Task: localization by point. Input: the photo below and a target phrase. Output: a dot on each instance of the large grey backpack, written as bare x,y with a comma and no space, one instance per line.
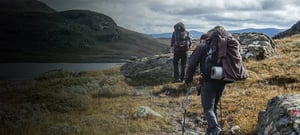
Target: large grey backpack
181,37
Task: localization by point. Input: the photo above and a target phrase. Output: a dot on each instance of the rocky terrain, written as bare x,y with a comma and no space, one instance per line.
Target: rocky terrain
137,98
68,103
256,46
159,68
282,116
282,113
34,32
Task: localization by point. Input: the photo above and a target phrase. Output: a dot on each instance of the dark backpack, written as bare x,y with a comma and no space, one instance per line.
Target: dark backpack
223,60
211,59
181,36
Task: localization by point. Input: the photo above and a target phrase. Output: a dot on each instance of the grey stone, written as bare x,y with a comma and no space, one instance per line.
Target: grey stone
282,116
155,69
256,46
145,111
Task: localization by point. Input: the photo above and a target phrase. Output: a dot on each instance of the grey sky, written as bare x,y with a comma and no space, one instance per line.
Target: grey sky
159,16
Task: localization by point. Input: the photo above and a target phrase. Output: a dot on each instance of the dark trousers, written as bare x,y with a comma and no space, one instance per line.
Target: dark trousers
182,56
211,92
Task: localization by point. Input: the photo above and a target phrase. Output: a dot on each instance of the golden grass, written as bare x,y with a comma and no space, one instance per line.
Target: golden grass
112,101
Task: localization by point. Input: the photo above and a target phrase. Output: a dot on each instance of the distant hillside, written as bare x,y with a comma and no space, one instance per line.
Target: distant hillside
44,35
160,35
268,31
24,6
295,29
195,34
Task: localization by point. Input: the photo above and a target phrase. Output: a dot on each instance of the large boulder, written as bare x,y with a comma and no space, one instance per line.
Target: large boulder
256,46
151,70
281,117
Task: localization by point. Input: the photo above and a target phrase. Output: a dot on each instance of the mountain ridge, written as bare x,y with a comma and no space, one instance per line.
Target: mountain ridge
24,6
196,34
295,29
68,36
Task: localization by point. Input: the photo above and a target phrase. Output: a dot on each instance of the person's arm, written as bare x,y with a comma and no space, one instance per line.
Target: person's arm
194,61
172,39
189,40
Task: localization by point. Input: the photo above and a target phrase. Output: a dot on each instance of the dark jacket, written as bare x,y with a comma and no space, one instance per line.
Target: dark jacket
228,55
196,59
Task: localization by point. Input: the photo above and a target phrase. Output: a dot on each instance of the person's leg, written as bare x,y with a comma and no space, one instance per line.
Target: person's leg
175,66
220,87
208,101
183,65
209,91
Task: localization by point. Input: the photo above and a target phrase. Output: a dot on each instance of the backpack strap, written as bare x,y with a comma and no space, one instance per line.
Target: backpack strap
222,48
175,37
181,38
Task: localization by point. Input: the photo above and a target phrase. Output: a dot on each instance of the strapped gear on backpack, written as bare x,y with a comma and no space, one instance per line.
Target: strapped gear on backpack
223,60
211,59
181,37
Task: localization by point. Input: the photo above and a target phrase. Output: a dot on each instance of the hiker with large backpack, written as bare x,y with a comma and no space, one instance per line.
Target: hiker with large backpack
180,43
220,63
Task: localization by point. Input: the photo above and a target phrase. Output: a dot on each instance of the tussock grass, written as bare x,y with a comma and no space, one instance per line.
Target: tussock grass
103,102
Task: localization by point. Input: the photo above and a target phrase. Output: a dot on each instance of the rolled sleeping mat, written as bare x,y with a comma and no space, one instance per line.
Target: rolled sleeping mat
216,73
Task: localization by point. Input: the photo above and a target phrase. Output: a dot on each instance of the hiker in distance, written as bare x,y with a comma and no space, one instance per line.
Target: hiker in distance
180,42
220,63
203,38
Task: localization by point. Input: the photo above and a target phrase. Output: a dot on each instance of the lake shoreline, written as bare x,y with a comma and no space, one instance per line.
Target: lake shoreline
66,61
5,58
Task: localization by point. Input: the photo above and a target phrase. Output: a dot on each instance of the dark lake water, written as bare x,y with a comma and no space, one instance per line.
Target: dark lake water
21,71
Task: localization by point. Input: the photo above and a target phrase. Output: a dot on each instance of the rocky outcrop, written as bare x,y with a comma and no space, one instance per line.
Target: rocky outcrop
281,117
295,29
256,46
155,69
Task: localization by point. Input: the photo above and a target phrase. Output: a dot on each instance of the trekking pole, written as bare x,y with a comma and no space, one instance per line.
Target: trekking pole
183,130
222,124
186,102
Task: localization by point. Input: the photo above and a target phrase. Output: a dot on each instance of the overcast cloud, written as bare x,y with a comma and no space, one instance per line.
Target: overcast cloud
159,16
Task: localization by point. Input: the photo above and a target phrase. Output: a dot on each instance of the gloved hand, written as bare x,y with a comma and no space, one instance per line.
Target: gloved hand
187,84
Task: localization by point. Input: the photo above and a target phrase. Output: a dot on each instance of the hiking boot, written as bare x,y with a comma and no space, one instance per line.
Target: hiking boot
177,80
216,131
